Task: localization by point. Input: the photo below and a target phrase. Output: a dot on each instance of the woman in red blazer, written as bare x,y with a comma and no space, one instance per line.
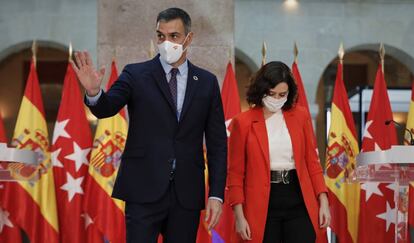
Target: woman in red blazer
275,181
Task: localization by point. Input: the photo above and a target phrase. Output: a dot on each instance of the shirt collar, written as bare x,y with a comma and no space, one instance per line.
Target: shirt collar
183,68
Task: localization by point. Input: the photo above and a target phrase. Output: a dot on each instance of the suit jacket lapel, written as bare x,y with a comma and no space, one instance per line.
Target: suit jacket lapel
259,127
161,81
192,81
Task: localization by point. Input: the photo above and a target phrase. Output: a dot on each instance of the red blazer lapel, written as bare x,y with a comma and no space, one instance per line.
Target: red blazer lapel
295,132
259,128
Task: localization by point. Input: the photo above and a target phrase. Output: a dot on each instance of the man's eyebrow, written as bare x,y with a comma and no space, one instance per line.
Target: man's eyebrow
172,33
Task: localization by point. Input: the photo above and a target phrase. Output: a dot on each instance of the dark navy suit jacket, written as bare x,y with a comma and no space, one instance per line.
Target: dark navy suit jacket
156,138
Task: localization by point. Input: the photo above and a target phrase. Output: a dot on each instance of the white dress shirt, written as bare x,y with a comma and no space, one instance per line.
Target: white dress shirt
280,143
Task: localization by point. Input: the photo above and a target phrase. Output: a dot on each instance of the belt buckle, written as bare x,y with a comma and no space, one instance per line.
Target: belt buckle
281,176
278,179
285,177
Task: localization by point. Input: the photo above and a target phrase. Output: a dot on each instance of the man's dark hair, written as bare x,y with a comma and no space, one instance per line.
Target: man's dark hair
267,78
176,13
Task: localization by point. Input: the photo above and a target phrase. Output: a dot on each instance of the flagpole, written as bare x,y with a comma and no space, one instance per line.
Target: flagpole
151,51
341,54
114,55
295,53
382,55
34,52
230,55
264,50
70,51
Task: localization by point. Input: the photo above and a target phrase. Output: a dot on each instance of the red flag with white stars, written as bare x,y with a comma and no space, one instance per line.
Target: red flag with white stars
377,208
9,232
71,147
410,126
231,107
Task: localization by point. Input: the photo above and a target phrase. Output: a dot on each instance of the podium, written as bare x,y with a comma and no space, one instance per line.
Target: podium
17,164
395,165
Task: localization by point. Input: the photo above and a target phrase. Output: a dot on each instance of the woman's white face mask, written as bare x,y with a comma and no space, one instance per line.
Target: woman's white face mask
273,104
170,51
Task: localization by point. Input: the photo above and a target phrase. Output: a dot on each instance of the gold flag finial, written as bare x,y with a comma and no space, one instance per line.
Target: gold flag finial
264,49
151,51
114,55
295,52
382,55
70,51
341,52
34,52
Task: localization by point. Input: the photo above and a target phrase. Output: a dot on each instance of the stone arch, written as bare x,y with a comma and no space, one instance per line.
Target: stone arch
398,63
239,54
28,44
52,60
244,67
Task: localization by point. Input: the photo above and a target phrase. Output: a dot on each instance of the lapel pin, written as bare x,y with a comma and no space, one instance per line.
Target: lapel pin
195,78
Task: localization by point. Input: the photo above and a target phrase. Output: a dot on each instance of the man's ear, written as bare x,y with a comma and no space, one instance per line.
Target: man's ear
189,39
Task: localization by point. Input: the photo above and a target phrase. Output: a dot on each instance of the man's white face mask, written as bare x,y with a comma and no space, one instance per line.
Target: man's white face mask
170,51
273,104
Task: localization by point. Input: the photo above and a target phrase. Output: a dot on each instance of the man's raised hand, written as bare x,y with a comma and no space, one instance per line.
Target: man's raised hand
85,71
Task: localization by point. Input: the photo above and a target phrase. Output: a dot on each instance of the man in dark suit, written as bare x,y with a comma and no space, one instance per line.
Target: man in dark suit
172,104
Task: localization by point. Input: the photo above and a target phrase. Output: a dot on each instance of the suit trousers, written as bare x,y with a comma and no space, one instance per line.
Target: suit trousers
287,218
145,221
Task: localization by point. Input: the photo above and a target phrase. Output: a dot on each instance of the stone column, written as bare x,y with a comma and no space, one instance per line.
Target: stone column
125,29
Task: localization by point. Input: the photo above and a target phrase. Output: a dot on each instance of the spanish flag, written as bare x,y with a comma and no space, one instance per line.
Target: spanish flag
340,165
109,143
31,201
410,126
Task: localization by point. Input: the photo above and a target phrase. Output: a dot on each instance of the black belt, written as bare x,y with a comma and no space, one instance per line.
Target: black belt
282,176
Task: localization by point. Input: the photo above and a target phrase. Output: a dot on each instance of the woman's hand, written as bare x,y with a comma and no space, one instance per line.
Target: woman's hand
242,226
324,213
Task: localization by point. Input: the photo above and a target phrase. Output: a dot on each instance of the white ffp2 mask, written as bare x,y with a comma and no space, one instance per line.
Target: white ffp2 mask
170,51
273,104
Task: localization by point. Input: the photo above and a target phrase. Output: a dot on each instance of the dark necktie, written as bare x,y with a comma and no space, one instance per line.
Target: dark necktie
173,85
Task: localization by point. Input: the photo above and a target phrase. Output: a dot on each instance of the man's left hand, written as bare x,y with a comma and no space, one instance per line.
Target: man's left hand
213,212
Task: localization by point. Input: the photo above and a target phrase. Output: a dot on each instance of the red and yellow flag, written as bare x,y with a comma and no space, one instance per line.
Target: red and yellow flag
31,201
340,165
109,142
72,143
410,126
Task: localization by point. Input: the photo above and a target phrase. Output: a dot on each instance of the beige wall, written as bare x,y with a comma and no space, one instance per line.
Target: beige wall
125,29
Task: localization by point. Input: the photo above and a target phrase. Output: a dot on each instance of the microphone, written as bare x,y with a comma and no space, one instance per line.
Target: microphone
387,122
